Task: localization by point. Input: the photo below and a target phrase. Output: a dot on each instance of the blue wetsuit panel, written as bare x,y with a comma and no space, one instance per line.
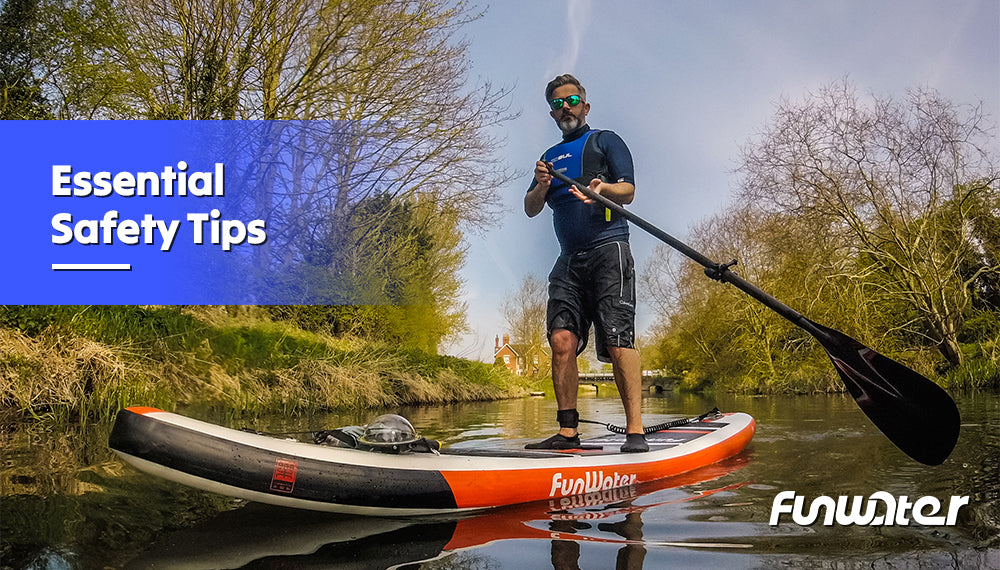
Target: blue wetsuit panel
587,155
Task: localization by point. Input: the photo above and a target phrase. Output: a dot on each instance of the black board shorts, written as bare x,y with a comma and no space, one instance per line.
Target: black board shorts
596,286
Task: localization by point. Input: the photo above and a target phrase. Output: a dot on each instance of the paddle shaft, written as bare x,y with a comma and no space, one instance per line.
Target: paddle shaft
721,272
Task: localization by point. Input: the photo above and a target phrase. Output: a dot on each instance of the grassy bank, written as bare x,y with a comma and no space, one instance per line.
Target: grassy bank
813,373
88,362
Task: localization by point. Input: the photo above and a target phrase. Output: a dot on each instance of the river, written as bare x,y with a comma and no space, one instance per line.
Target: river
68,502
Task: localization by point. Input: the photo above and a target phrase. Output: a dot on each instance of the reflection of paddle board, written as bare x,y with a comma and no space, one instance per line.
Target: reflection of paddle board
308,476
260,535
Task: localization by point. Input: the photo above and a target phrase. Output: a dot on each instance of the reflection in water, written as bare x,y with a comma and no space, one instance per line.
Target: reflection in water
262,536
68,502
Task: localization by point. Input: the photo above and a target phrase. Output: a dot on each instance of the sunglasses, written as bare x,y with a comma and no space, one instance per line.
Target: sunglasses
572,101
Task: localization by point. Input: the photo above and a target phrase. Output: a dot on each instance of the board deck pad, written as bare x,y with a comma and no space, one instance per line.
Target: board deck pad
607,444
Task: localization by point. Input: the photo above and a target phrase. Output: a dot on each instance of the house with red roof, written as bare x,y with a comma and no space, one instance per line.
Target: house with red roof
521,359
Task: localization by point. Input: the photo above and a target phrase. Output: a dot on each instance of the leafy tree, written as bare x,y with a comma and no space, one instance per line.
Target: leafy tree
397,282
980,211
694,331
22,49
710,332
60,59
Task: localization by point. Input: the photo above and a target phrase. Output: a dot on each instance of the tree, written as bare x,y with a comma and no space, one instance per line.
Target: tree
524,312
397,282
364,103
712,332
389,77
881,174
982,212
693,328
374,108
22,49
60,59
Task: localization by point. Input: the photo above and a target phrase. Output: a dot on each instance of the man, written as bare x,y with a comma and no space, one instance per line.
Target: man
593,280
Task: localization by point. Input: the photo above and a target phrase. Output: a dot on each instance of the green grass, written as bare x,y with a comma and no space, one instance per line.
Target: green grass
978,373
88,362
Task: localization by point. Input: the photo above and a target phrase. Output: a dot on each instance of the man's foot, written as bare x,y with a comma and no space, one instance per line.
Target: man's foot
558,441
635,443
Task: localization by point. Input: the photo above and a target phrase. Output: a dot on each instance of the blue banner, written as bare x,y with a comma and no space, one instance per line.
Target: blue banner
170,212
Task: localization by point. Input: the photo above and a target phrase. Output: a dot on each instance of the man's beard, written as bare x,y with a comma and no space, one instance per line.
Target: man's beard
569,123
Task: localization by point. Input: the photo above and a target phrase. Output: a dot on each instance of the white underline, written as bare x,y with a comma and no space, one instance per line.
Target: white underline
91,267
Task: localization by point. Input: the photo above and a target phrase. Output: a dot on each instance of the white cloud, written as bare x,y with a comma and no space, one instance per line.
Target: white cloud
571,38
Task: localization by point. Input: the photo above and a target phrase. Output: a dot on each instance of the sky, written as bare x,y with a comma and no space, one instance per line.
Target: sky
687,85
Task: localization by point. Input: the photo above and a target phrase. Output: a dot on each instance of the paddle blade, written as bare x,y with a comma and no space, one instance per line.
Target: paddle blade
913,412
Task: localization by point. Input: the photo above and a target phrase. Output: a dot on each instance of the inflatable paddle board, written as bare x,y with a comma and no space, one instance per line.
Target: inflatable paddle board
465,477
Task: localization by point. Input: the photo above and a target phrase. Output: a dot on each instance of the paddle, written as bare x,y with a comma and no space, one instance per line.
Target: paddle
914,413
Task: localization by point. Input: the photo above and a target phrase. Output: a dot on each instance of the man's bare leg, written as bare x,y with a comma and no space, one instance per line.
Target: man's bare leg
565,375
565,382
628,376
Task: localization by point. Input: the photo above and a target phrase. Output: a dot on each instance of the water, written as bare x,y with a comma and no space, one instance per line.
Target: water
67,502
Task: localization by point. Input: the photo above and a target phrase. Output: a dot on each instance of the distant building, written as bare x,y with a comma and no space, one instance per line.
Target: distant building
521,359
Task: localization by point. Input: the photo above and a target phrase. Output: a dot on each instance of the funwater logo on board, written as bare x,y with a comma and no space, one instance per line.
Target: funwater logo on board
590,482
866,511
